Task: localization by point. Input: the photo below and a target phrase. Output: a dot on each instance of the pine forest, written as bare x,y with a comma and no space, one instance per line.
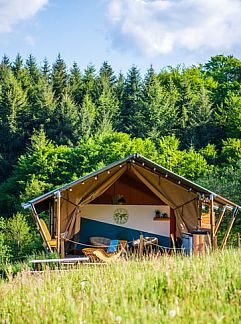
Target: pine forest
58,123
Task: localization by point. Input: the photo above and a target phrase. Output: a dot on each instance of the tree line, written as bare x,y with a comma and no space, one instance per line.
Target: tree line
57,124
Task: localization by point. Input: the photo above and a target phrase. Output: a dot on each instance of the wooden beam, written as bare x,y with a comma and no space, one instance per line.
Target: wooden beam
173,241
58,209
141,247
212,220
62,251
51,212
220,219
225,238
199,212
238,240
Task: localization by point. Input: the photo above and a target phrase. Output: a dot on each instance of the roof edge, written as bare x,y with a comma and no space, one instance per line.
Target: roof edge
135,157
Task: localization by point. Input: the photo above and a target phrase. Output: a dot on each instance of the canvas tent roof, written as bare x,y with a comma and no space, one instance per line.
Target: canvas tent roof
182,195
144,163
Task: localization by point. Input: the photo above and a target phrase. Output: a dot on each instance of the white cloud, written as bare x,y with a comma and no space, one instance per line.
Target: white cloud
14,11
155,27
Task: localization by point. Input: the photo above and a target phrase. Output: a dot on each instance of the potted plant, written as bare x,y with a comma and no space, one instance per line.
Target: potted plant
158,213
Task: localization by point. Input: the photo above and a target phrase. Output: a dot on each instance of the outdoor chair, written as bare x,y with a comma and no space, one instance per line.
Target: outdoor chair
112,253
51,242
104,242
107,257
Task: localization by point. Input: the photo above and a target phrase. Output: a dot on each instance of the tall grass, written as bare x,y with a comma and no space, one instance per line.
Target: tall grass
171,289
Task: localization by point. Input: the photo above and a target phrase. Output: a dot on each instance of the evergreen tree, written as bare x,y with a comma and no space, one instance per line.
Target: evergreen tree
13,104
106,101
65,122
131,113
75,84
87,116
160,110
21,72
6,61
59,78
106,76
46,71
200,128
34,73
120,87
89,82
42,108
119,90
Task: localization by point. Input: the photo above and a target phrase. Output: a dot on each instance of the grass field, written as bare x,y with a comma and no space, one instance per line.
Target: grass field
168,290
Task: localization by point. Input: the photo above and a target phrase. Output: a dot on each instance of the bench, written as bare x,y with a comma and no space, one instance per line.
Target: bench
38,263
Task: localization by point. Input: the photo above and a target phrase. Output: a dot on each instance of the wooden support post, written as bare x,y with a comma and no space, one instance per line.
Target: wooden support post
220,219
238,240
62,251
230,225
51,209
141,247
58,196
199,212
173,241
215,242
212,221
195,244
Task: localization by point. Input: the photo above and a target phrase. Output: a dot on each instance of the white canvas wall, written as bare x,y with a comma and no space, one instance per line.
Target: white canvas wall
140,217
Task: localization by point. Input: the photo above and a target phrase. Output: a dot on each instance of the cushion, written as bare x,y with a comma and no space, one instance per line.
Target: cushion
99,241
113,246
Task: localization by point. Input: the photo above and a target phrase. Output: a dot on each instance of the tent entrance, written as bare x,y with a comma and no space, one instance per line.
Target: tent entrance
135,181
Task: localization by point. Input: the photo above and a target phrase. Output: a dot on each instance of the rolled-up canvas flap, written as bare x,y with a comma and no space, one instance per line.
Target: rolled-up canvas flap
74,223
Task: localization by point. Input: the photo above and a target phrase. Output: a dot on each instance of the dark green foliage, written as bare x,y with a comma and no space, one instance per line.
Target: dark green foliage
13,108
6,61
75,84
46,71
59,78
89,82
160,110
132,107
33,70
65,122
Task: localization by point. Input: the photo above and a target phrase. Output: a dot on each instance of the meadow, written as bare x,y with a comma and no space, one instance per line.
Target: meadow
172,289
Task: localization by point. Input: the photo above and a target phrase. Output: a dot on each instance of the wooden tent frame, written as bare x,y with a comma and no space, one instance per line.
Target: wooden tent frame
202,194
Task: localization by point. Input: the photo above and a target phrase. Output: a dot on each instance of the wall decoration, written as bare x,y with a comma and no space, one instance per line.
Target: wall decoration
140,217
121,216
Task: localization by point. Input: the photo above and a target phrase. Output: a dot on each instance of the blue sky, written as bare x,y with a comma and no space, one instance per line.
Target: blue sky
122,32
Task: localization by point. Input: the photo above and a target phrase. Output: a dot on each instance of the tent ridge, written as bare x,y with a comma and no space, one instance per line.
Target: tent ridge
135,157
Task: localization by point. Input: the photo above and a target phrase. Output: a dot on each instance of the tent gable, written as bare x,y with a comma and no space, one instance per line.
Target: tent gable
131,190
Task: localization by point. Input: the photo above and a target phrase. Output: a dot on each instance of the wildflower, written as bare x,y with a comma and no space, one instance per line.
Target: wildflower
172,313
83,283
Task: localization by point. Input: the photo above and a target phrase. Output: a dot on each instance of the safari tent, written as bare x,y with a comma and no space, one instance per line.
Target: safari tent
127,198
